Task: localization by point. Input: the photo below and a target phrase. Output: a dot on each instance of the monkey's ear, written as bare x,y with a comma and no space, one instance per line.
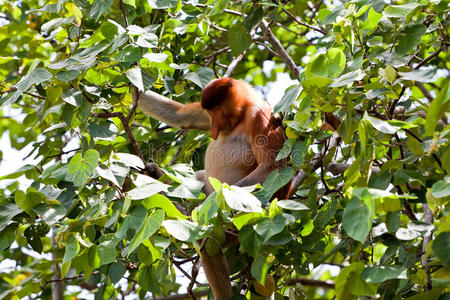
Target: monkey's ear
215,93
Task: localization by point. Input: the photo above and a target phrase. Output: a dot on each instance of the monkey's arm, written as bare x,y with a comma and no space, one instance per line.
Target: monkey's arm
189,116
267,138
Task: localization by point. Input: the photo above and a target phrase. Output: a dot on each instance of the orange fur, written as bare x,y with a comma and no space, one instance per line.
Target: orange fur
246,140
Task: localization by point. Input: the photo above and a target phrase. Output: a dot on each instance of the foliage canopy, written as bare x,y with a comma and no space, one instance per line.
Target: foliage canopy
372,198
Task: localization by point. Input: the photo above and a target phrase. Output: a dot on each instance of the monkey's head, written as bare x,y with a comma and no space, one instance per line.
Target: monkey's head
225,100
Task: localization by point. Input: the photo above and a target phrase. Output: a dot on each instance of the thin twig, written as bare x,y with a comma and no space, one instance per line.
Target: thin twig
122,9
433,55
302,23
302,175
152,168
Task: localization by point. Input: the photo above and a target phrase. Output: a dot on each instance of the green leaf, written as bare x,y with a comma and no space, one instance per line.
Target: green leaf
291,205
160,201
156,57
267,228
146,276
397,11
36,76
7,212
393,221
50,213
129,54
239,199
99,8
347,78
67,75
299,151
202,77
7,236
130,160
260,266
322,69
148,189
72,248
73,97
411,39
135,77
440,248
116,272
356,220
151,225
218,8
336,62
242,219
80,167
372,20
349,283
239,39
407,234
253,18
276,180
104,129
438,107
290,95
208,209
381,125
163,4
285,151
249,240
55,23
421,75
107,251
441,188
134,221
27,203
19,172
378,274
186,231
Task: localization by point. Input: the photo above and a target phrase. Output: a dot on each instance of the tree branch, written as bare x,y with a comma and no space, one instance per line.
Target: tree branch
427,217
433,55
301,175
234,64
302,23
276,44
312,282
151,167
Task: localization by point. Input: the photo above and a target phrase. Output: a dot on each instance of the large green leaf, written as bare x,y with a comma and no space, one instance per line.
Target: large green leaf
440,248
398,11
186,231
160,201
380,274
81,167
239,39
99,8
240,199
356,220
72,248
267,227
151,225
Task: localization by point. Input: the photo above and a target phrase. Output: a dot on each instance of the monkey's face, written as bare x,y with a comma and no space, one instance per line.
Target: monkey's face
219,122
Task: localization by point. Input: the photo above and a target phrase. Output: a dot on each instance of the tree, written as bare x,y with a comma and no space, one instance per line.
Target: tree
113,195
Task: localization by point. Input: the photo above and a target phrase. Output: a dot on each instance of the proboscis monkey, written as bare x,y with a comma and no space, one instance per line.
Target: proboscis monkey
246,140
